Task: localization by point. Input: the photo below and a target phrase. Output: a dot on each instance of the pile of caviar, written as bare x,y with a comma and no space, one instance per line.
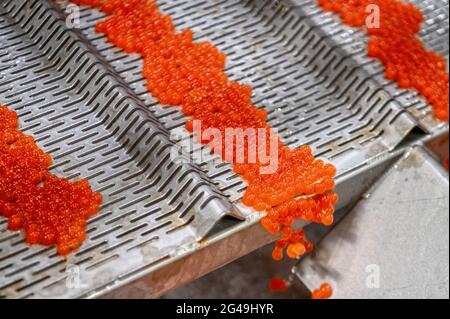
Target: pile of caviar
51,210
324,292
395,43
191,75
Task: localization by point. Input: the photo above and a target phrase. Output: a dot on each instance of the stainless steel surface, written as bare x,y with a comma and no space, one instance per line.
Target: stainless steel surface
86,103
438,146
395,243
313,93
246,278
85,118
231,243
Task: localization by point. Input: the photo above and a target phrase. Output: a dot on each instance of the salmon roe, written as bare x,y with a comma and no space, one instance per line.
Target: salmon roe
395,43
324,292
51,210
191,75
278,285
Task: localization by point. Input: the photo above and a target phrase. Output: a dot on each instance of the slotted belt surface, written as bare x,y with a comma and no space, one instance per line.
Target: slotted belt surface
87,104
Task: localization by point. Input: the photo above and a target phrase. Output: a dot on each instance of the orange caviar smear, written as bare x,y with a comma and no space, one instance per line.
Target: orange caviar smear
278,285
324,292
51,210
191,75
395,43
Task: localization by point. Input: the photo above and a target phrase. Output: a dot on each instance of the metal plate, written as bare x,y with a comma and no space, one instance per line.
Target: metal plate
313,94
85,118
353,42
86,103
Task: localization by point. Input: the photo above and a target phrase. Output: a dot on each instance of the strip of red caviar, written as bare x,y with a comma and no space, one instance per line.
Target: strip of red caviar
324,292
51,210
395,43
191,75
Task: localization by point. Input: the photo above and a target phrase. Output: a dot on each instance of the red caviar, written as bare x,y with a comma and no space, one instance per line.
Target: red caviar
51,210
278,285
324,292
395,43
191,75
